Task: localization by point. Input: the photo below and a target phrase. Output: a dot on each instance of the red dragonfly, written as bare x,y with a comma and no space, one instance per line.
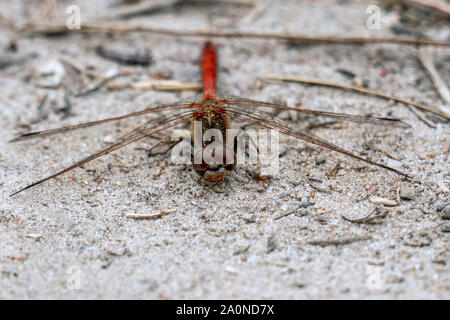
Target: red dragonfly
213,113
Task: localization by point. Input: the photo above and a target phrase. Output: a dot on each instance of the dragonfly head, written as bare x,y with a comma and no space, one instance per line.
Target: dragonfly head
212,115
214,167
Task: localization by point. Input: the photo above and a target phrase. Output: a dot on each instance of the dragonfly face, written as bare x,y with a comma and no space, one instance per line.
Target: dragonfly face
212,116
214,172
213,159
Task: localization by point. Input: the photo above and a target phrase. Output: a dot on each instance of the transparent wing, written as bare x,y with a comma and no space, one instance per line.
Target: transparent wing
244,105
167,107
300,134
154,127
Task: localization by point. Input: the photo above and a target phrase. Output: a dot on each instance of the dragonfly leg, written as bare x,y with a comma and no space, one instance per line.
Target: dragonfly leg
242,135
163,142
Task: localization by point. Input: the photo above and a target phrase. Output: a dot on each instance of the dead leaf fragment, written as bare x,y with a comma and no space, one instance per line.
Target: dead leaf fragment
384,201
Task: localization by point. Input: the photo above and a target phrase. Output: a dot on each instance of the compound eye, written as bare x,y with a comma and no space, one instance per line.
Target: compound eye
198,114
219,111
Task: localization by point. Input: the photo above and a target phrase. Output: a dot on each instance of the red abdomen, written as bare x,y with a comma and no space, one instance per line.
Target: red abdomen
209,70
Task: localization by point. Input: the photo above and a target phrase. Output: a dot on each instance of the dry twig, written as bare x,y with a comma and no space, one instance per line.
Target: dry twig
384,201
165,85
40,27
150,216
35,236
426,57
285,214
337,242
332,84
101,83
421,117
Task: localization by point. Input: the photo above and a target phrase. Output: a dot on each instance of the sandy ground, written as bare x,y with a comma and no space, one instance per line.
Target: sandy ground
70,238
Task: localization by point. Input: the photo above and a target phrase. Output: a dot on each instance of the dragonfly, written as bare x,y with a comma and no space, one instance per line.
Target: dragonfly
213,112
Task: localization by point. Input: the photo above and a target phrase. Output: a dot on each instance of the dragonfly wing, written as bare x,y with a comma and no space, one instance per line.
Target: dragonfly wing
244,104
300,134
40,134
157,126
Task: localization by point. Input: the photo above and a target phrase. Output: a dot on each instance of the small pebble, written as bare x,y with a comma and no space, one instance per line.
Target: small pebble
231,270
249,219
445,213
51,73
320,161
35,236
394,164
304,203
433,154
108,139
407,193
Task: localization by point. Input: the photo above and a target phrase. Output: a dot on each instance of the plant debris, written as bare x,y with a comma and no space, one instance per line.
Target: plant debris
46,28
311,81
337,242
371,218
150,216
133,59
384,201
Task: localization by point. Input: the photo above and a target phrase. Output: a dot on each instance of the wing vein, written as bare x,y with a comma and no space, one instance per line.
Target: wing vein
306,137
159,125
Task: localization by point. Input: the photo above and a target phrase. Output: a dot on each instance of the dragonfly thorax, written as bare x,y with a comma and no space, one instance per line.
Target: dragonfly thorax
213,159
210,115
